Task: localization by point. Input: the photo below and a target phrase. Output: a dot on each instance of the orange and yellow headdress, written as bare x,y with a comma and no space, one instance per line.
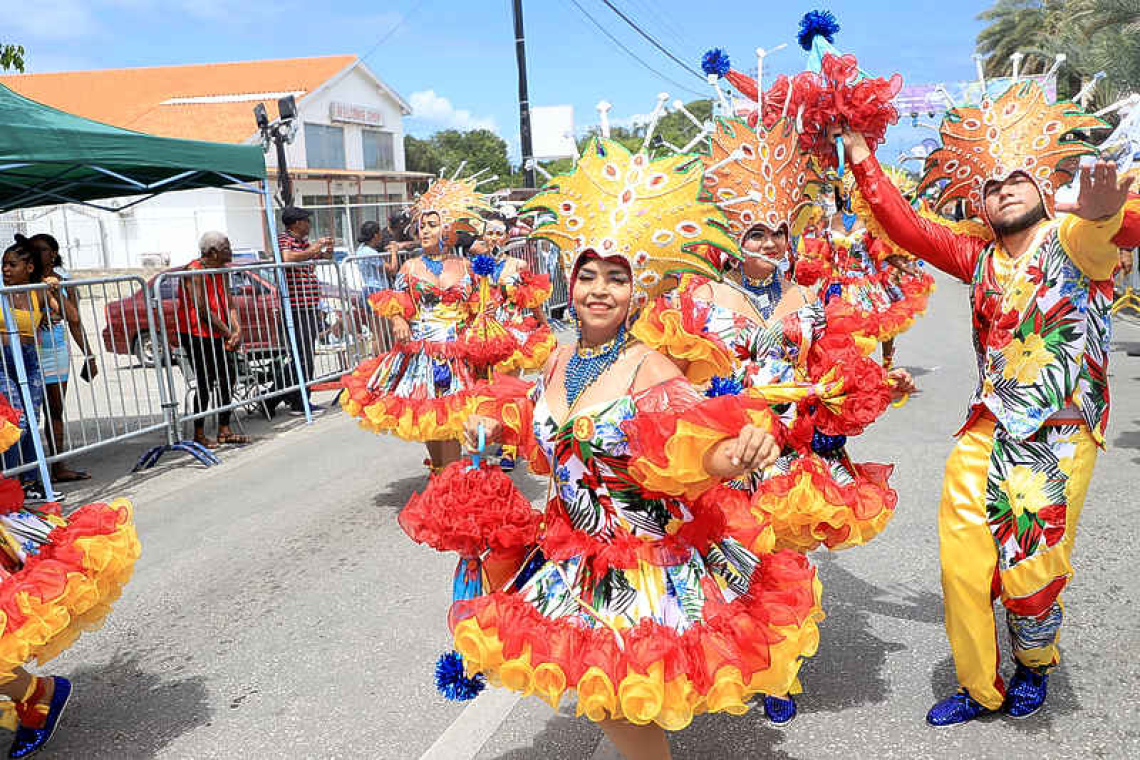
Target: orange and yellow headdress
758,176
647,211
1020,131
458,203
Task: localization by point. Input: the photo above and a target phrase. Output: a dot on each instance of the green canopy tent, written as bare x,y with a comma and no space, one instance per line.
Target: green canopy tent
49,156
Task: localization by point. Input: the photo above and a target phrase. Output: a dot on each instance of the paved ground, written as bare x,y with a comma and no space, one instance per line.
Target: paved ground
278,611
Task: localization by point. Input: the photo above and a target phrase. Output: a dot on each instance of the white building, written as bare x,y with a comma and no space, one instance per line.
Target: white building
347,159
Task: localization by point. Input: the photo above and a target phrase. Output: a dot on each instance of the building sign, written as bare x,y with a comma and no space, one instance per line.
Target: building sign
354,114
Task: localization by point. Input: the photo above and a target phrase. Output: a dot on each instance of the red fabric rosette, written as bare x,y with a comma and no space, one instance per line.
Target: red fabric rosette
532,290
469,511
867,394
837,94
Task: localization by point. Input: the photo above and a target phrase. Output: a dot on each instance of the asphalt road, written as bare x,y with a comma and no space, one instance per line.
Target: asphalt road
278,611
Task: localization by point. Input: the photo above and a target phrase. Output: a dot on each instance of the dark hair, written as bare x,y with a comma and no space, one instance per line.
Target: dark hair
496,216
22,247
396,218
52,243
368,230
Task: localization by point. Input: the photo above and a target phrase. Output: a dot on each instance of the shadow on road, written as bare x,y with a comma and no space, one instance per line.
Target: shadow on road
848,670
120,710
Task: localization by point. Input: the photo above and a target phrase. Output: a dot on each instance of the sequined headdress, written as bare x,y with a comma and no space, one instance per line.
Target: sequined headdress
458,203
1019,131
647,211
757,177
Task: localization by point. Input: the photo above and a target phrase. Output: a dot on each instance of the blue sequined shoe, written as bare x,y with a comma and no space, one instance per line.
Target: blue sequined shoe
29,741
779,711
955,709
1026,693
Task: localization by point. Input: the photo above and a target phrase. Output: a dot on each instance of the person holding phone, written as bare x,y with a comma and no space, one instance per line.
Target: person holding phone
304,291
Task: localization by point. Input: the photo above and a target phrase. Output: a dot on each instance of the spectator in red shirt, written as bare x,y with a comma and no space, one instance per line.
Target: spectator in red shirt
304,290
209,331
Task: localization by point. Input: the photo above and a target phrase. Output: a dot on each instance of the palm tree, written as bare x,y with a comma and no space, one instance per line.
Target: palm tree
1015,26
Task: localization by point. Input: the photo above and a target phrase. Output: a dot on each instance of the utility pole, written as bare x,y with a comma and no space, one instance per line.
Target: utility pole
524,101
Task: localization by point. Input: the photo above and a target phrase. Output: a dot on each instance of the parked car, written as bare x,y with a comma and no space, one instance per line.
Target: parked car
252,292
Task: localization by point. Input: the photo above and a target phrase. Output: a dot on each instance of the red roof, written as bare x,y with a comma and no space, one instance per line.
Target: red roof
211,101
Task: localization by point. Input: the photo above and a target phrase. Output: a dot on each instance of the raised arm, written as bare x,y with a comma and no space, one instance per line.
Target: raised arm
952,253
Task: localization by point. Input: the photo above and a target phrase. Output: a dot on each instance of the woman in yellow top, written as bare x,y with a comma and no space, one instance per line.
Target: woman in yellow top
22,266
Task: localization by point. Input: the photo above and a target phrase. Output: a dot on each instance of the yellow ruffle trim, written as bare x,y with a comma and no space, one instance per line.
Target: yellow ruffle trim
53,625
9,434
642,698
683,473
520,361
667,334
410,426
797,518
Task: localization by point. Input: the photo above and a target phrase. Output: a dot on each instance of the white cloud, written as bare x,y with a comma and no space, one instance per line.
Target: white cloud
439,112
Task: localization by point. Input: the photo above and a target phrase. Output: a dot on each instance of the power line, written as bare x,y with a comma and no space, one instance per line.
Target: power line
653,40
663,22
395,28
632,54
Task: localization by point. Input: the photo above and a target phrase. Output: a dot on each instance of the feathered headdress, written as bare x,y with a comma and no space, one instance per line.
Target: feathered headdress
647,211
458,203
757,177
1020,131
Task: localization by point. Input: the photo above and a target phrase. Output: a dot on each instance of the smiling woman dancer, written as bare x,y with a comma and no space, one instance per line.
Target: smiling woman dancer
634,596
417,390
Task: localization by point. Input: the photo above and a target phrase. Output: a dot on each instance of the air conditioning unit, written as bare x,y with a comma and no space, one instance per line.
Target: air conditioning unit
155,260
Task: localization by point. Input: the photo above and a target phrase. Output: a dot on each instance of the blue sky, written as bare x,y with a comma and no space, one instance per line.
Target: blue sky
455,59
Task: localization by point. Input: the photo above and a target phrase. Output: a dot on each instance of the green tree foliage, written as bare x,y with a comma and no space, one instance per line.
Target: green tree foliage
480,148
1093,35
11,57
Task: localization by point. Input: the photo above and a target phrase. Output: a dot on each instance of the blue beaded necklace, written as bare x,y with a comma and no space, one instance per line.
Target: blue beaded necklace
767,292
588,364
435,266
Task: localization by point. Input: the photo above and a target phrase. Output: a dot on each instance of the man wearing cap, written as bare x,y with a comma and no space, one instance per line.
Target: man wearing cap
304,288
1040,279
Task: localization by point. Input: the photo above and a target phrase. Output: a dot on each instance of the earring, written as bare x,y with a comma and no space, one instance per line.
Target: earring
572,316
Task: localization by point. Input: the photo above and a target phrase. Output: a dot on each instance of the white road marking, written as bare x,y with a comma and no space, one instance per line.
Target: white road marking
475,725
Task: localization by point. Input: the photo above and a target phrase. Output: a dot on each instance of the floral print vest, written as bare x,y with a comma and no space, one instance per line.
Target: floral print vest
1042,344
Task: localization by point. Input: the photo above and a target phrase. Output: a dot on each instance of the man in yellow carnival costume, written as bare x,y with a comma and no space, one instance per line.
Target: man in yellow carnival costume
1041,290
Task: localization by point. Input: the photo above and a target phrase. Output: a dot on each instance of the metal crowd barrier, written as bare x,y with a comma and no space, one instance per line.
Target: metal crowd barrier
154,367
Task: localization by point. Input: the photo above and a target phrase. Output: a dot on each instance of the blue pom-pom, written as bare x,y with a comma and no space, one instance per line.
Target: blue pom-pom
724,386
483,265
716,62
452,681
821,443
817,24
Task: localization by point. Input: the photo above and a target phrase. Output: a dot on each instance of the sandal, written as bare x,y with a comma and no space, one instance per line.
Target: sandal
206,443
69,476
235,438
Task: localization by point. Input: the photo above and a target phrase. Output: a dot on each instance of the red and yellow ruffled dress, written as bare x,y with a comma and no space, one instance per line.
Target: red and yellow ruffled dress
416,391
635,597
517,293
852,269
58,575
814,495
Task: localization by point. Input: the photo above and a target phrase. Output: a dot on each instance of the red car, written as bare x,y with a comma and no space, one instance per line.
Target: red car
253,293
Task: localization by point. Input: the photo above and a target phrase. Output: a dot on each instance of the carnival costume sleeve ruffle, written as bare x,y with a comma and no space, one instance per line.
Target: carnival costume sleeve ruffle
1129,234
532,290
393,303
510,401
674,429
676,326
58,576
953,252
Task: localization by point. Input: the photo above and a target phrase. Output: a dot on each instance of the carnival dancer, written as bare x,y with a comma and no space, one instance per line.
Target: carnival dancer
763,330
1040,294
416,390
518,295
58,578
634,597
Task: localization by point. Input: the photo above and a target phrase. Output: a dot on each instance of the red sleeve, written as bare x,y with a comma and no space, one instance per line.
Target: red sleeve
952,253
1129,235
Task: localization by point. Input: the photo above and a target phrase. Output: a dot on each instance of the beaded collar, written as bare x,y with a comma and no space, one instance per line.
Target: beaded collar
765,294
434,265
588,364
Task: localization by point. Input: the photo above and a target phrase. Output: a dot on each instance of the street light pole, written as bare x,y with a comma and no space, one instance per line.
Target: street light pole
524,101
279,131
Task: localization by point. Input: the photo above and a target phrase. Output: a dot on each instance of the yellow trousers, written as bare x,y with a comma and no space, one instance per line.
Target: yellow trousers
971,579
